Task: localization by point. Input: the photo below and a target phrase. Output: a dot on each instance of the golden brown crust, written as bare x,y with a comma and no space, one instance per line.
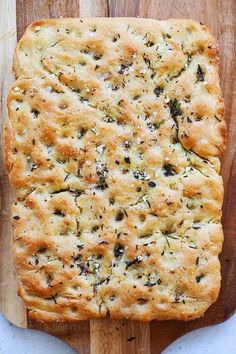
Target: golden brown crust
116,128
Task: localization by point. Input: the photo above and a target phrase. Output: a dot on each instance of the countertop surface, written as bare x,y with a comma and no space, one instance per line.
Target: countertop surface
211,340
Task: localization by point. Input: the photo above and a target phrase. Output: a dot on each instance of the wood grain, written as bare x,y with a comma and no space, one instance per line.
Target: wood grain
32,10
125,337
119,337
94,8
124,8
77,335
11,304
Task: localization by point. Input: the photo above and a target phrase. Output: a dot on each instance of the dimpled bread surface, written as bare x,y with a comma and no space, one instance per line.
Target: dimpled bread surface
112,145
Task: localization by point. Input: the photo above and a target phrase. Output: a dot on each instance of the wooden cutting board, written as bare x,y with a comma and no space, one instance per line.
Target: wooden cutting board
107,336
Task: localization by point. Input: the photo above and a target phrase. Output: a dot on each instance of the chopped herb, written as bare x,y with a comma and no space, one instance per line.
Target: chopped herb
83,268
125,212
138,259
83,99
145,235
97,56
59,213
147,61
76,258
193,247
144,198
84,51
150,284
109,119
16,217
100,149
135,98
42,250
152,184
120,215
114,87
142,175
177,298
54,299
112,201
196,227
55,44
149,44
127,160
169,170
125,170
34,166
114,39
175,108
153,74
189,120
200,73
217,118
101,169
127,144
124,67
103,242
102,183
35,112
60,191
118,250
81,133
158,90
142,301
198,279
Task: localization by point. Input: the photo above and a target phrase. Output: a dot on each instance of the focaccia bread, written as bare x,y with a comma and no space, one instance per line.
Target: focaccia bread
113,141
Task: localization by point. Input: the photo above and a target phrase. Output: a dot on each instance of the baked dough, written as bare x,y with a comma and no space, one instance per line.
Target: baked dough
115,130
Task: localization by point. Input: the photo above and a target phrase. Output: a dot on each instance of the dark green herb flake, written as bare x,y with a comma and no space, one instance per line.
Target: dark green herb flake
168,170
152,184
16,217
118,250
175,108
158,90
127,160
198,279
200,73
